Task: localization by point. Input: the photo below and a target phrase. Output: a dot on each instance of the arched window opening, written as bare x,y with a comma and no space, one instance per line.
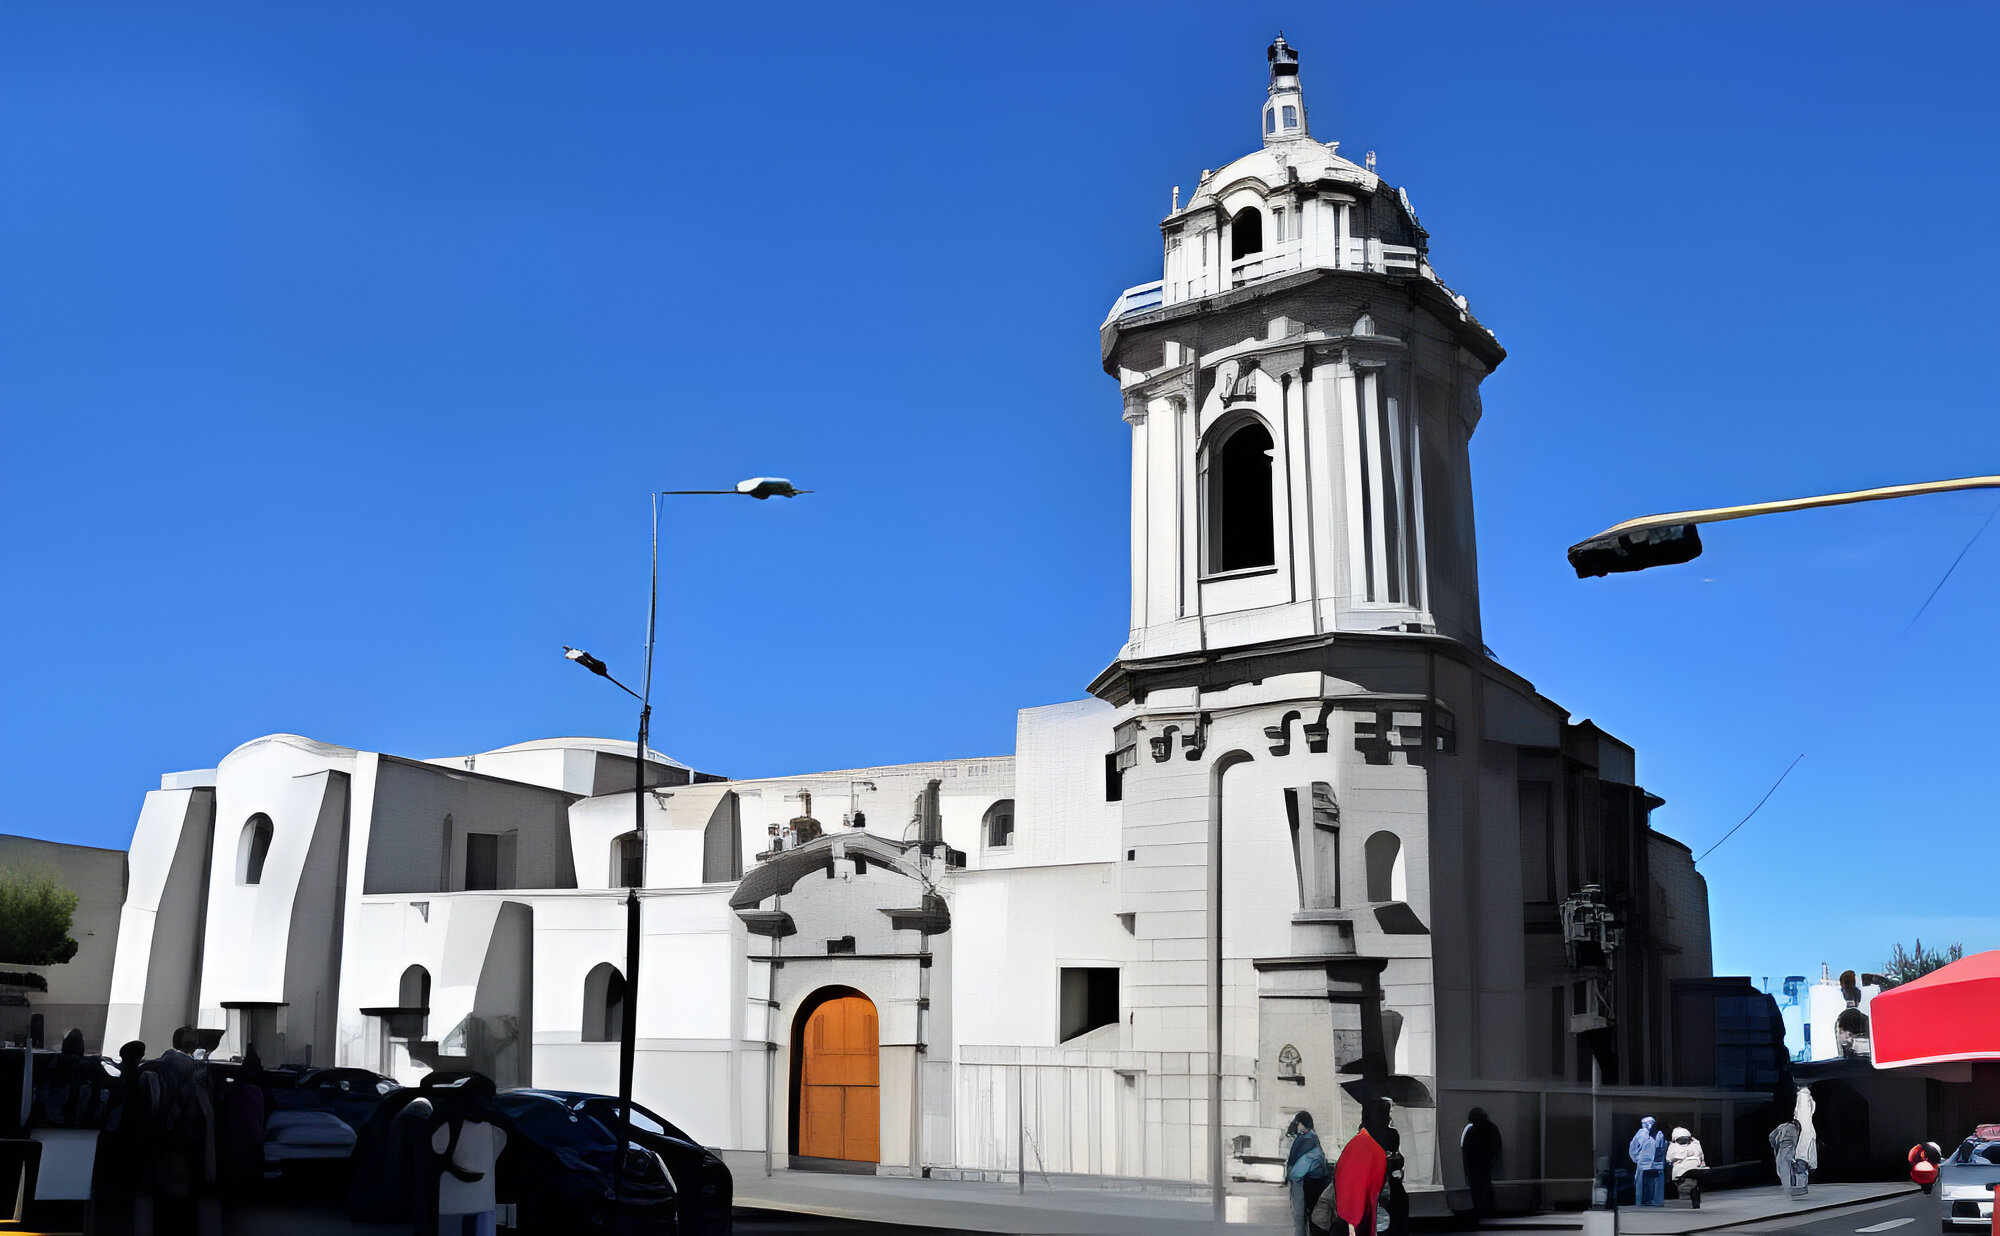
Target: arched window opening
1270,120
603,1004
628,861
252,849
1246,233
1384,853
414,992
1291,116
1241,531
998,824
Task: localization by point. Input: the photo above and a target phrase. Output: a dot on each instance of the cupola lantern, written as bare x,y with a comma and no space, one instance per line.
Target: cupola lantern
1285,108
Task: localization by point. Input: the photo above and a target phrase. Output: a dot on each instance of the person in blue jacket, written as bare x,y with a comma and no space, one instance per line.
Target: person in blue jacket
1307,1171
1649,1164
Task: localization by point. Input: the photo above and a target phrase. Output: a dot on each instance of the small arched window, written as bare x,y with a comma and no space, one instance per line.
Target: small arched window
603,1004
1270,120
1384,853
628,861
1246,233
414,992
1291,116
1242,533
998,824
252,849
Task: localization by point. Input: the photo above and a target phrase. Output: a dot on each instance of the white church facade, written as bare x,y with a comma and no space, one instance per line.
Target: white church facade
1306,842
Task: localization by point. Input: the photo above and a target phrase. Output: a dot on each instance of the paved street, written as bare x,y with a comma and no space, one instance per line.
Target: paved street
1910,1215
1765,1207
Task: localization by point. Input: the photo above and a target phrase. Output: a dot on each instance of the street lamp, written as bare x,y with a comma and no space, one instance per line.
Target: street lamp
760,488
1664,540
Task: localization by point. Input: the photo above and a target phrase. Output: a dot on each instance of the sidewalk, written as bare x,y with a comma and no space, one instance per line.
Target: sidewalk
985,1206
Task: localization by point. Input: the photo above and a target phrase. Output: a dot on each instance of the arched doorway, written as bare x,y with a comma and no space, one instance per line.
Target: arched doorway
836,1105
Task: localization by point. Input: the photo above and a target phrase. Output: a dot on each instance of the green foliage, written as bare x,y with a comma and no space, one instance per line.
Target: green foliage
35,912
1919,961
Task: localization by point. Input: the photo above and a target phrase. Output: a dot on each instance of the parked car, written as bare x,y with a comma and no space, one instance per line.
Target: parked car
1966,1178
556,1170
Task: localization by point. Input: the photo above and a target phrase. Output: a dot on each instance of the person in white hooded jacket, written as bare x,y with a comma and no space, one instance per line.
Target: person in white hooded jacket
1685,1165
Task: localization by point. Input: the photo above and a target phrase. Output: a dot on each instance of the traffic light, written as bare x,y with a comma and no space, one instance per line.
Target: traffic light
1635,550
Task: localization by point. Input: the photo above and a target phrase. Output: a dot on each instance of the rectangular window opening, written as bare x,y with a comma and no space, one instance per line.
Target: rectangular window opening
843,945
1089,999
482,861
1114,779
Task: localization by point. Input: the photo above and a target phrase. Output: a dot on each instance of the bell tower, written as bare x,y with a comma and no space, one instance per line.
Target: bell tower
1302,388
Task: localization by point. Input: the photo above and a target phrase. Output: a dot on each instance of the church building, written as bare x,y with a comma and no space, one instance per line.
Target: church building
1305,844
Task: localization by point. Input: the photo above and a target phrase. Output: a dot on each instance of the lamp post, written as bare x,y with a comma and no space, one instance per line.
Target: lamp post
760,488
1664,540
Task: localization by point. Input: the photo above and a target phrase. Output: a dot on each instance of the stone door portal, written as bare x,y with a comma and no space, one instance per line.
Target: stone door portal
840,1109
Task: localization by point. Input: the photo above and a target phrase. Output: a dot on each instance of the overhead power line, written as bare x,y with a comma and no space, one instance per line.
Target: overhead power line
1759,807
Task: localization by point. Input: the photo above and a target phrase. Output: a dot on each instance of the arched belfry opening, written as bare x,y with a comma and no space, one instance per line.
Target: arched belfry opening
836,1077
1242,530
1246,233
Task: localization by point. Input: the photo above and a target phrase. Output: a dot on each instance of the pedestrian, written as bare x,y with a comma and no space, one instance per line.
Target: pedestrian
1648,1152
1807,1157
468,1146
1785,1149
74,1094
238,1096
1377,1116
1479,1147
1358,1177
116,1164
179,1152
1685,1164
1307,1173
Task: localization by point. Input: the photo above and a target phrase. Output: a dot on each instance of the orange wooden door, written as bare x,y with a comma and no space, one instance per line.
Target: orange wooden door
840,1114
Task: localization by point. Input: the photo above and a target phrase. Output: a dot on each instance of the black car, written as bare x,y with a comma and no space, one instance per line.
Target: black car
556,1171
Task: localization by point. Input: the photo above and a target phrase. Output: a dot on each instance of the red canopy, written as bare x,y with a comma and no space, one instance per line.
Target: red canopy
1952,1013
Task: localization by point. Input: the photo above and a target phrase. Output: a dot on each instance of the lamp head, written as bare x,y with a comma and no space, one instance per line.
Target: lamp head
1636,551
587,661
762,487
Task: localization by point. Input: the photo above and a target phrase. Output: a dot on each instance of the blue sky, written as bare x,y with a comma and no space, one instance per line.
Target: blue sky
340,345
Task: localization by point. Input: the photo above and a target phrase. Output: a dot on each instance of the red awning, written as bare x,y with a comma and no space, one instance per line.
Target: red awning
1952,1013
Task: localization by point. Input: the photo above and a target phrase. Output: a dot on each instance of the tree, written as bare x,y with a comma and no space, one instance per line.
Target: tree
1918,962
35,912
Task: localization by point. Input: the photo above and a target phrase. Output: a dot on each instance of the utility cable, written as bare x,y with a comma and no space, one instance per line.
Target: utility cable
1953,567
1760,805
1973,541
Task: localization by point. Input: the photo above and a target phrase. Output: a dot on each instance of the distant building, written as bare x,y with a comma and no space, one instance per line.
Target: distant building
71,996
1306,817
1834,1019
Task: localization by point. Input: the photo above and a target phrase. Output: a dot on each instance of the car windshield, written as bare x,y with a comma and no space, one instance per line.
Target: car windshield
1978,1152
606,1110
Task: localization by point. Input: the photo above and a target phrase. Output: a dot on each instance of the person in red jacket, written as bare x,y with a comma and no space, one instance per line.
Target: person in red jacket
1357,1182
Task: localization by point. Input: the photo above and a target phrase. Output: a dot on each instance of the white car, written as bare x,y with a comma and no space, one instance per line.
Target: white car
1966,1179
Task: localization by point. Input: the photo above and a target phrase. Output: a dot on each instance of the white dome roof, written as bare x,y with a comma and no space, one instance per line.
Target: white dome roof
1273,165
